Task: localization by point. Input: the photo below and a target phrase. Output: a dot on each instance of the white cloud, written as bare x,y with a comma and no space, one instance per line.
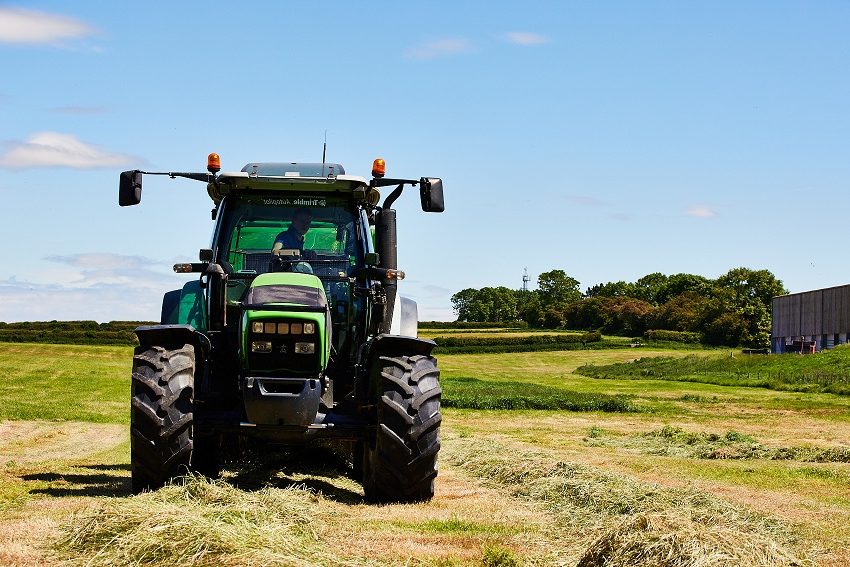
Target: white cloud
18,25
102,260
702,212
27,301
54,149
440,48
92,286
526,38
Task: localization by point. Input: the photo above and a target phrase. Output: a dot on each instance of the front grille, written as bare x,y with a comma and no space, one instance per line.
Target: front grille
283,356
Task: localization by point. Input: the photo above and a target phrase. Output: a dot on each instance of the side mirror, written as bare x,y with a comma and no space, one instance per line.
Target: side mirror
205,255
130,188
431,194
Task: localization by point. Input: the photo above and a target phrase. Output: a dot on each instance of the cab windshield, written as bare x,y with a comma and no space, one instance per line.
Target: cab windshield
310,235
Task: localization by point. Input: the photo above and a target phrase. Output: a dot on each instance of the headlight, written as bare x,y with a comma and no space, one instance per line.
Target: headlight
309,328
257,326
305,348
261,346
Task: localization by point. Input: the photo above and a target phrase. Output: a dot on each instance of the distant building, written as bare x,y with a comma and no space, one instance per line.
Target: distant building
819,319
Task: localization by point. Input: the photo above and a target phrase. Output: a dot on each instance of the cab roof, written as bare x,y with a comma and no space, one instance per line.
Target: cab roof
296,177
283,169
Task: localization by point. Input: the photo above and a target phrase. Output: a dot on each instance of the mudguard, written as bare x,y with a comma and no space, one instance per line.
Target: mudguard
185,306
173,337
405,317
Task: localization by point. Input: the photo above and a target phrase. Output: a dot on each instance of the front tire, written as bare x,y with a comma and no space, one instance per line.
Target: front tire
400,465
161,416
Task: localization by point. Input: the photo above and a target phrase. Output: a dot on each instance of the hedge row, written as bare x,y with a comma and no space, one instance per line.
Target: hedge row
533,343
68,337
472,325
472,393
71,332
523,340
74,325
673,336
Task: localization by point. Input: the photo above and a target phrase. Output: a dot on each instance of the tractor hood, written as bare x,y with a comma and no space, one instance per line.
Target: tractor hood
303,291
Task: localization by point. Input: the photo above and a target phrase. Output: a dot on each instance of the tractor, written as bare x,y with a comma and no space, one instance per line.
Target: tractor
292,333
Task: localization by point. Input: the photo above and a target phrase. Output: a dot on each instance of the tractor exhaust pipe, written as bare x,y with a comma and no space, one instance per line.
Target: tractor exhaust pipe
387,244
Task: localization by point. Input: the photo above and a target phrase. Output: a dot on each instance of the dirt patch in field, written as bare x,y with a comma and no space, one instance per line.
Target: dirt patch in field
463,518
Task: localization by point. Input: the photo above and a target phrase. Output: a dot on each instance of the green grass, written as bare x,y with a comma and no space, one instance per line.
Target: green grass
755,455
455,525
472,393
67,382
827,371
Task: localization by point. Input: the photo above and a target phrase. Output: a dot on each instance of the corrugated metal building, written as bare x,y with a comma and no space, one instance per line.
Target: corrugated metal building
821,316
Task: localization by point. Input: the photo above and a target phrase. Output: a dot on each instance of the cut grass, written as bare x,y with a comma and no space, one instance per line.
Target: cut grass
471,393
674,441
199,522
634,523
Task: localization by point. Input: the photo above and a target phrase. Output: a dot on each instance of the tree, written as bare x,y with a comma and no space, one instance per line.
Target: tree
462,304
488,304
677,284
612,289
553,318
685,312
741,305
627,315
557,289
587,314
649,287
528,308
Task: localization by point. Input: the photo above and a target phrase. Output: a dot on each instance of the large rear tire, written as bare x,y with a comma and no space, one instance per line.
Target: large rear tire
161,416
400,465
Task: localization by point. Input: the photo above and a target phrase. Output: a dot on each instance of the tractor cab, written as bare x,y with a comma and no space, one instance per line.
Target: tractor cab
279,217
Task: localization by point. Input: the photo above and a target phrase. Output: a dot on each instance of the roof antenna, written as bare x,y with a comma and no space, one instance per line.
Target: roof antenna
324,150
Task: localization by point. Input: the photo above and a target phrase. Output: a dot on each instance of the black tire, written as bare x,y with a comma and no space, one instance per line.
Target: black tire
161,417
400,465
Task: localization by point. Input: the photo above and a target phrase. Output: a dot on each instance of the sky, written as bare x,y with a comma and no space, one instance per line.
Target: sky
606,139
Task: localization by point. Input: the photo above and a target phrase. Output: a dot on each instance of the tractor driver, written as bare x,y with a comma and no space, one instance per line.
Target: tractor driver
293,237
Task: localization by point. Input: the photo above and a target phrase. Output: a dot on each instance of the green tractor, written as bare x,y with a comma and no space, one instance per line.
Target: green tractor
292,333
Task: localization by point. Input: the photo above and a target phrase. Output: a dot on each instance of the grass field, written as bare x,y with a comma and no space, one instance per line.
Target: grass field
649,471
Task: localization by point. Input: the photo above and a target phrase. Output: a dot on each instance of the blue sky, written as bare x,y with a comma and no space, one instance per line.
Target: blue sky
607,139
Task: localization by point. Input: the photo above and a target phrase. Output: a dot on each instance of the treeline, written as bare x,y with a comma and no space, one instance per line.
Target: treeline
732,310
71,332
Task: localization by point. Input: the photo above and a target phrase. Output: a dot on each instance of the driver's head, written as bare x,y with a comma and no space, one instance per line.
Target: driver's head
301,220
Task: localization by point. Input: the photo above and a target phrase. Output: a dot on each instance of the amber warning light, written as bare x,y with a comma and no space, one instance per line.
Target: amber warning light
213,163
379,167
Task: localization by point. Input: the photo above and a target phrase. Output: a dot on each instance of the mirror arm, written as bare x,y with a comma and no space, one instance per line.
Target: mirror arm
207,177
